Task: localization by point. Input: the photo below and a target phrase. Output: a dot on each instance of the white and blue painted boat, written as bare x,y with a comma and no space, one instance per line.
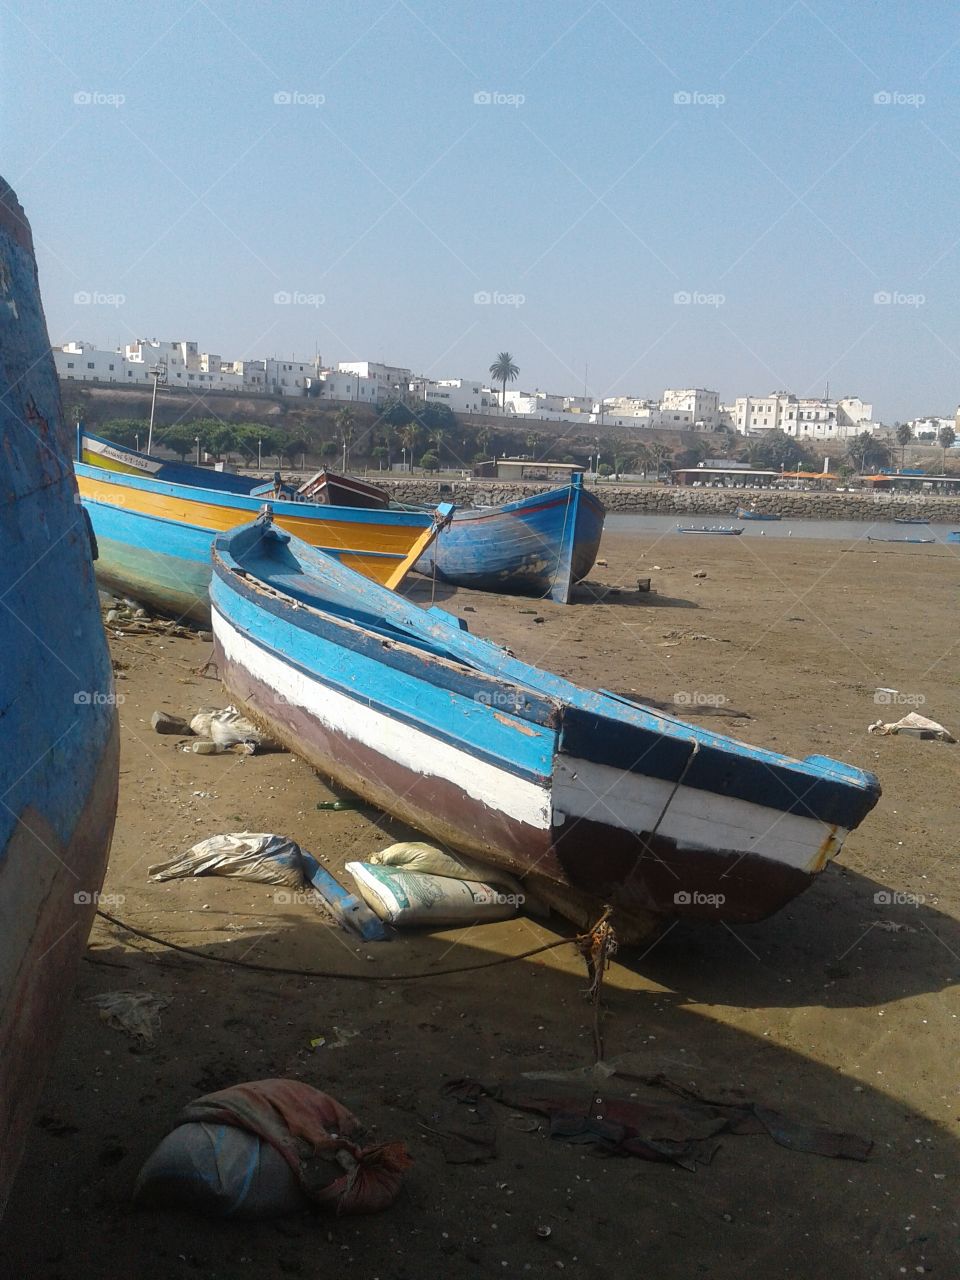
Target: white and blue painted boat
542,545
155,522
59,740
591,798
727,529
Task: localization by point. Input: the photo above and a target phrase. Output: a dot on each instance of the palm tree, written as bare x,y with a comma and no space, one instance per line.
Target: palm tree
659,454
946,437
642,458
904,436
409,434
503,370
533,444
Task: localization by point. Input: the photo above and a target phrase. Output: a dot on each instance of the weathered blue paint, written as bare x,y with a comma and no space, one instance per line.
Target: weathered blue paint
166,562
350,910
348,644
954,535
540,545
58,723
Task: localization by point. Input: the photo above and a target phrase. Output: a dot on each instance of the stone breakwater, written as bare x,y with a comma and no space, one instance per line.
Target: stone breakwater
671,500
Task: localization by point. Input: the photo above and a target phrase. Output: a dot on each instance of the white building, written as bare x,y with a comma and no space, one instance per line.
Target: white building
83,362
462,395
332,384
805,417
393,380
703,406
289,377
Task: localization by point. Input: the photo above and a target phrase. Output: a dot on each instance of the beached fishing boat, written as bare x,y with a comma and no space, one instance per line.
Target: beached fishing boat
911,541
727,529
588,796
953,535
58,724
538,546
744,513
541,545
155,524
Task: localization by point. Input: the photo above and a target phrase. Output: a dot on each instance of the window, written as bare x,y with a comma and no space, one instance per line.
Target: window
90,364
69,364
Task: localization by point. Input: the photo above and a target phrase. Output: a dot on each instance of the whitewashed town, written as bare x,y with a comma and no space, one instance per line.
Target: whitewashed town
181,364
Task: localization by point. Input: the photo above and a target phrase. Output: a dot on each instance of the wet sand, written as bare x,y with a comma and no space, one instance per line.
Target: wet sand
825,1012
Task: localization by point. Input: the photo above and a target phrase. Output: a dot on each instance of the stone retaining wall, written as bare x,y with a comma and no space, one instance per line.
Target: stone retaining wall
670,500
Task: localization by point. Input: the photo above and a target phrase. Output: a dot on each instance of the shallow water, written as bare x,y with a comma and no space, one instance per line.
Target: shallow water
836,530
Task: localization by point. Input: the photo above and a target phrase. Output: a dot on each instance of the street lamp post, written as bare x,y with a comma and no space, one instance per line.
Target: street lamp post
259,454
197,439
136,437
159,374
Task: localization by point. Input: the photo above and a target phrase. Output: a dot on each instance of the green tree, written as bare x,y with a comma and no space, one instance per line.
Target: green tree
430,462
503,370
776,450
904,435
659,454
865,451
409,438
126,431
180,438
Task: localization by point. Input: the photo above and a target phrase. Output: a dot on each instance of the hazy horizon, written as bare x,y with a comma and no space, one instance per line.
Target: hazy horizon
626,197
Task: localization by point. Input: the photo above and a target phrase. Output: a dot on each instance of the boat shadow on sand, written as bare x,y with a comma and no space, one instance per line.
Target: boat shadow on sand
424,591
386,1049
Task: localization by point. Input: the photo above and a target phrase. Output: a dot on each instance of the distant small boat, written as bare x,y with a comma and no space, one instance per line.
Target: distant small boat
912,541
59,736
953,536
595,799
743,513
727,529
910,520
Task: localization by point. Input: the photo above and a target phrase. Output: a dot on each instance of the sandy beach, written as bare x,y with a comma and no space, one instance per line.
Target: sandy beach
840,1011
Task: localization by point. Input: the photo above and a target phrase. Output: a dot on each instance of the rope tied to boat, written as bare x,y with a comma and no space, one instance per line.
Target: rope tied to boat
580,941
598,947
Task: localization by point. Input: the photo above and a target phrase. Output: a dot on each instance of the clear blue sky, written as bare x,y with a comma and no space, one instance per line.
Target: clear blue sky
783,188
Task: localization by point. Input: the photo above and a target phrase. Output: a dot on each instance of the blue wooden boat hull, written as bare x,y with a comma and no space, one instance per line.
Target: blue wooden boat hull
591,798
537,546
953,535
58,720
155,535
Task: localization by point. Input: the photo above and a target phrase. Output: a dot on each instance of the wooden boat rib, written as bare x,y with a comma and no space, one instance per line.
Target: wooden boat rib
589,797
59,763
154,533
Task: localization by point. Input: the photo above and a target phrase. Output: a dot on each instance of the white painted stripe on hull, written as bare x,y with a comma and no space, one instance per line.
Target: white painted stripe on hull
695,819
502,791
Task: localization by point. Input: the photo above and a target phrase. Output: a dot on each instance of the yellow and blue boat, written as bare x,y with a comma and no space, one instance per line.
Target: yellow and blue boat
155,522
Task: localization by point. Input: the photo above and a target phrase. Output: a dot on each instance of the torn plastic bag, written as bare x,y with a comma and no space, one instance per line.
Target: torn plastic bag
414,898
248,855
307,1129
916,725
414,855
135,1012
